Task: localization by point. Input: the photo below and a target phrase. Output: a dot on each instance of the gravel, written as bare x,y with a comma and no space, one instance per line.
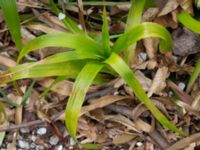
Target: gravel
54,140
59,147
41,131
23,144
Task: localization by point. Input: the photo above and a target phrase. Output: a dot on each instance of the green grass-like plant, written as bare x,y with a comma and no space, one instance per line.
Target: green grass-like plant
86,59
193,25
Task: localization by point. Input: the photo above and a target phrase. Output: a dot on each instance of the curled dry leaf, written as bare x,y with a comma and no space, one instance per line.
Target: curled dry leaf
159,81
169,7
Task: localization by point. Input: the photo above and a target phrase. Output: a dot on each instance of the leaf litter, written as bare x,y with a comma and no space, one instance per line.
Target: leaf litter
114,119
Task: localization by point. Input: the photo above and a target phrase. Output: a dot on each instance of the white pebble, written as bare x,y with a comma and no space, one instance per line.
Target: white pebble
53,140
139,144
23,144
41,131
59,147
181,85
61,16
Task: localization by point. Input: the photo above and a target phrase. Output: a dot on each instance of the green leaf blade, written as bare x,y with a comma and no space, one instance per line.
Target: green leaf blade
189,22
126,73
141,31
81,85
84,45
194,76
12,20
105,34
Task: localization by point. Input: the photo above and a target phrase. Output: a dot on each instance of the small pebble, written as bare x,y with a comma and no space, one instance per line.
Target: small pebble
41,131
181,85
59,147
23,144
53,140
61,16
139,144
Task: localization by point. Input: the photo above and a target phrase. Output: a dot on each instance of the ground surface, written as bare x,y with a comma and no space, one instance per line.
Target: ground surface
118,121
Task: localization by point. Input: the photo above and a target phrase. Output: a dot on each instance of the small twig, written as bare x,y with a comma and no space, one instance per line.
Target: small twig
28,124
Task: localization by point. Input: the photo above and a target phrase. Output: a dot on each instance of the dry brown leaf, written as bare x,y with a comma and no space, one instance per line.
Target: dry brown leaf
141,125
169,7
146,82
7,61
196,102
159,81
187,5
183,96
124,121
98,103
123,138
151,46
167,21
102,102
64,87
43,28
150,14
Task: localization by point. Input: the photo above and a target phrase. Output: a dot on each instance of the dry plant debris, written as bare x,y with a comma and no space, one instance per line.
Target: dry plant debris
111,116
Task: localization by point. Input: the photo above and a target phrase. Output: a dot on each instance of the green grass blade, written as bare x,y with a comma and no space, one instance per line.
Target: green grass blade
29,70
81,85
141,31
194,76
84,45
7,100
126,73
134,18
12,20
189,22
135,14
105,34
68,22
27,93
